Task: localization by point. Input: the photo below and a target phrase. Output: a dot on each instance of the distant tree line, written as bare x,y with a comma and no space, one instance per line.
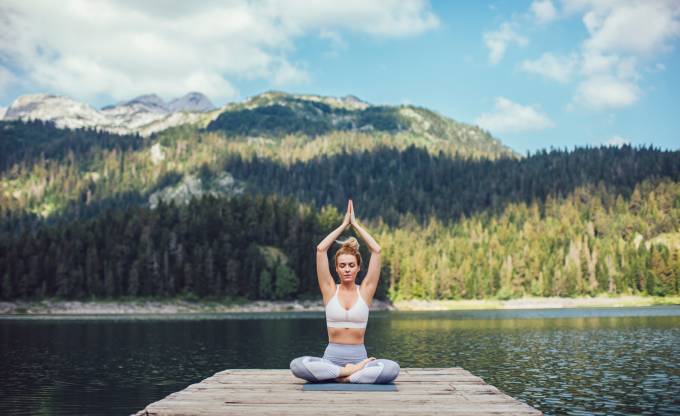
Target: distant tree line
388,183
257,247
307,118
587,243
558,222
29,141
209,248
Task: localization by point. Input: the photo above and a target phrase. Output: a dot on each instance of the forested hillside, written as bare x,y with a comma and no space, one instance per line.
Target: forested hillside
589,242
216,212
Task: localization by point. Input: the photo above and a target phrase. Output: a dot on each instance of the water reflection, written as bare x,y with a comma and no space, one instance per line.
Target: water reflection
618,361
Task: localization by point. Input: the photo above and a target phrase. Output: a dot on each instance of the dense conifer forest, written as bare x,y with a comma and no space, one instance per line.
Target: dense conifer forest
76,223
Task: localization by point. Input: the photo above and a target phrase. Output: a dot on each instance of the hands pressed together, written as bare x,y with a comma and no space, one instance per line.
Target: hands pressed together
349,216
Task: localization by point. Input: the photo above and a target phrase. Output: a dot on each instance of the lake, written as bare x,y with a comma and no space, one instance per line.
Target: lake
567,361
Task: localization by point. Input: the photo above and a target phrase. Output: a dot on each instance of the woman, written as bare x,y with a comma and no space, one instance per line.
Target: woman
345,359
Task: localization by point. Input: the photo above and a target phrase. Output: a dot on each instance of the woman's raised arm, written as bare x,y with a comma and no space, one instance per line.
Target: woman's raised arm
323,272
370,282
372,244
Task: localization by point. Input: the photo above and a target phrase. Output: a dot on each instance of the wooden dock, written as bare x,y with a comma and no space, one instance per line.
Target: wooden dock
421,391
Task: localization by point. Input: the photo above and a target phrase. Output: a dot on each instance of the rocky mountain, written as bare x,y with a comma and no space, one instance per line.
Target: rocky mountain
268,115
145,114
193,101
150,102
277,114
63,111
269,98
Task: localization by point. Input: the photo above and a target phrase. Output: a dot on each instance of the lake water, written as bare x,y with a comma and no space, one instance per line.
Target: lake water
570,361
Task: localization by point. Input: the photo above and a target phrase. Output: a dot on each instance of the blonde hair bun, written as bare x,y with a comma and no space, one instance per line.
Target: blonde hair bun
350,242
349,246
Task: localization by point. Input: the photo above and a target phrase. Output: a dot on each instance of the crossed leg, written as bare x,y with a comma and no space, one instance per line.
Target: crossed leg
317,369
314,369
378,371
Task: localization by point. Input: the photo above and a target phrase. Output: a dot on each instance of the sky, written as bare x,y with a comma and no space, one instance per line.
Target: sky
536,74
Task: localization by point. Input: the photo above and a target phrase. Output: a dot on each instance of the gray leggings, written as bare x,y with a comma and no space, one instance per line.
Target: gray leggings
316,369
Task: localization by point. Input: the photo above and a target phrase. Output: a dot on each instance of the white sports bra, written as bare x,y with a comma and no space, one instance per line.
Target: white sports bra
339,317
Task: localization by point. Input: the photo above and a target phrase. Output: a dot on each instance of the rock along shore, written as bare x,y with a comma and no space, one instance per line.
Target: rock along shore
64,307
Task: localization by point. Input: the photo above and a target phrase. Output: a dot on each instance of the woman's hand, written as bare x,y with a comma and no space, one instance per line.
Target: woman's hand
350,369
363,363
352,219
353,368
348,215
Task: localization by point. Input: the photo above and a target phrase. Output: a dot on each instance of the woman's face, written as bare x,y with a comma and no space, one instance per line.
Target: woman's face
347,267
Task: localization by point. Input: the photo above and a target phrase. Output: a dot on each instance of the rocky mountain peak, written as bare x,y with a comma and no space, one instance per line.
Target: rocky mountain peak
64,111
193,101
349,102
144,114
150,101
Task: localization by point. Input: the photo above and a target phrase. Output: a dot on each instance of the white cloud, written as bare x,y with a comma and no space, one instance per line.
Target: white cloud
512,117
602,92
624,67
289,74
622,34
336,43
119,49
497,42
597,63
640,27
617,141
558,68
382,18
543,11
334,37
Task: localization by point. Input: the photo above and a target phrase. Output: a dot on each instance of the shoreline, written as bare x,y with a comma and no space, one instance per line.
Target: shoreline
143,306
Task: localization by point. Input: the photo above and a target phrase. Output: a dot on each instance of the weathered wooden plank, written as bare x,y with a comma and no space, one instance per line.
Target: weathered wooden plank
249,372
402,388
339,397
404,378
421,391
354,409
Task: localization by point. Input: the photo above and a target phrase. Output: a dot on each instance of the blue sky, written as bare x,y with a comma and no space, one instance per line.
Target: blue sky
536,74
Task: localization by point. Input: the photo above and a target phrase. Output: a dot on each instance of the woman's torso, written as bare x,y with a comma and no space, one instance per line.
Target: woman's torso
347,335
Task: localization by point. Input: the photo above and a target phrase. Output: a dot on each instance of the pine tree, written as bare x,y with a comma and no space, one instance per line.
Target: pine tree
7,290
62,281
133,280
265,287
655,266
209,273
232,276
286,282
92,272
109,282
188,278
168,276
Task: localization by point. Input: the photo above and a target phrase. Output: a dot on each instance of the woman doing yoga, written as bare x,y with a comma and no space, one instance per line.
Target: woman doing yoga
345,359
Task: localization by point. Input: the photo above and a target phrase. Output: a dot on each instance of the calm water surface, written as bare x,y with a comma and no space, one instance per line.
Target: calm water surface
572,361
